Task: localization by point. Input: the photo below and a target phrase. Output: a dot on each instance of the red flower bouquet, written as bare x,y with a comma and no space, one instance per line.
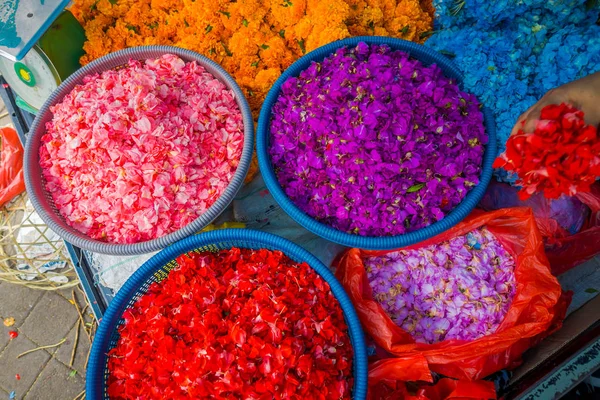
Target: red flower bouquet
561,156
237,324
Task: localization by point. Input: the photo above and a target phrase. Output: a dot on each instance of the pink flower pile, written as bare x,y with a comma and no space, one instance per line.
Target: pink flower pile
136,153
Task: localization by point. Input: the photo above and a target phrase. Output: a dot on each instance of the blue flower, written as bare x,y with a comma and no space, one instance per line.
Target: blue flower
513,51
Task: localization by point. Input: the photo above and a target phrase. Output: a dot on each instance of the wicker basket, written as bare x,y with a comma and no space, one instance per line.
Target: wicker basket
41,199
160,265
427,57
31,255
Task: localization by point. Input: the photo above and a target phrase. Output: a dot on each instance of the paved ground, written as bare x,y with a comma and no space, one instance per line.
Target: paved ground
42,319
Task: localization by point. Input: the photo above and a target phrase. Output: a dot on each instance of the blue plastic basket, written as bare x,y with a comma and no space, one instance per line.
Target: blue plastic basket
157,268
427,56
36,185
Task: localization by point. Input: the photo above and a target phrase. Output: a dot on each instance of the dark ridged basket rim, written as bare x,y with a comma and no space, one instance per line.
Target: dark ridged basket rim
427,56
40,198
137,284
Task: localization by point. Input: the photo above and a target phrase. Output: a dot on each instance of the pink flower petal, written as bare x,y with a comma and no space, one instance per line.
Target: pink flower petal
135,154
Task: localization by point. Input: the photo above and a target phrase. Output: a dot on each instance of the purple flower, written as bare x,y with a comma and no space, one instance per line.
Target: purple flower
372,142
452,290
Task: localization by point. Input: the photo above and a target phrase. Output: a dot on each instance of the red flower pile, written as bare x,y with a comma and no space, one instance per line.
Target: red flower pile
237,324
561,156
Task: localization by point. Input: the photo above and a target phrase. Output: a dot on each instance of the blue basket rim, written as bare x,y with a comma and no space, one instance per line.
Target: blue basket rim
427,56
95,376
32,170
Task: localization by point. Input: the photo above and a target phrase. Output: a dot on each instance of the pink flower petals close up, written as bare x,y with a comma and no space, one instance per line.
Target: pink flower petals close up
459,289
137,153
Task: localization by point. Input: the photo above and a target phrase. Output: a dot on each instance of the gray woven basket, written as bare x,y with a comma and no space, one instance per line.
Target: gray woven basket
35,184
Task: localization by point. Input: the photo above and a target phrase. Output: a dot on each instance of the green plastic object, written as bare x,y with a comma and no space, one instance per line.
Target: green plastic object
63,44
23,105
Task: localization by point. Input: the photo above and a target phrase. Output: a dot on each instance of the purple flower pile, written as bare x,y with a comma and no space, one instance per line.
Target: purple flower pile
460,289
372,142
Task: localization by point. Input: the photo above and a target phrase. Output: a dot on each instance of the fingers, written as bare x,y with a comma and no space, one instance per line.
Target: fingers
532,119
583,94
519,125
528,119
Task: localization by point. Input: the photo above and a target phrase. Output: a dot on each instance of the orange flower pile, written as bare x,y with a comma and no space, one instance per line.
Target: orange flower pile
254,40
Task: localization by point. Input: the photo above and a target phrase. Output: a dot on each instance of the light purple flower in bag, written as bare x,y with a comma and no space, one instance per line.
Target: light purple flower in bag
459,289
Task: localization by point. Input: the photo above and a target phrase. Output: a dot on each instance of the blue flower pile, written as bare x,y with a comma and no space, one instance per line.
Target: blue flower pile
513,51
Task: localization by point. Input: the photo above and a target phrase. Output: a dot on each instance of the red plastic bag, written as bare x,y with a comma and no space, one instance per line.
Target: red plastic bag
397,378
537,310
569,226
568,252
444,389
11,165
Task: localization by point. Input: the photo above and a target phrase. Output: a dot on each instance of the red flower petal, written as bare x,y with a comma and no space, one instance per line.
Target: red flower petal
562,156
233,324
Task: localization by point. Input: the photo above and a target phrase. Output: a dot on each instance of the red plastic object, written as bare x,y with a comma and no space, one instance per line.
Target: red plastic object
538,308
568,252
11,165
445,389
566,246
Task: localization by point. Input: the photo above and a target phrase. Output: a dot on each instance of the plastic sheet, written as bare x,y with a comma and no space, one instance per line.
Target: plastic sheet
257,209
537,310
113,271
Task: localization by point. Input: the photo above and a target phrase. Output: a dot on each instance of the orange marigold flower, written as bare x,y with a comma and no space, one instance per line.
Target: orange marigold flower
282,16
252,39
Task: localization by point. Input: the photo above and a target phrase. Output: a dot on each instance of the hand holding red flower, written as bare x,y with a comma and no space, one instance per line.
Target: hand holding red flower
561,156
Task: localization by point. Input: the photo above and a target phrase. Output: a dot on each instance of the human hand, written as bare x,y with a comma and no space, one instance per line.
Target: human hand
583,94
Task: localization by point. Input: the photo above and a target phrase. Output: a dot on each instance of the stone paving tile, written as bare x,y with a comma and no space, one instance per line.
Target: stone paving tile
55,383
50,321
79,297
17,301
63,353
4,338
28,366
